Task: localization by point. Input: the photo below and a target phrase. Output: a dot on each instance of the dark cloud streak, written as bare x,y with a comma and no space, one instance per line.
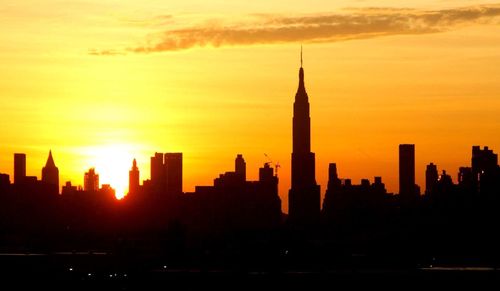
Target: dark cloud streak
355,24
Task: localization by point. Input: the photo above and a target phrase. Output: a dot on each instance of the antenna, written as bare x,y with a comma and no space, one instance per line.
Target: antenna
301,56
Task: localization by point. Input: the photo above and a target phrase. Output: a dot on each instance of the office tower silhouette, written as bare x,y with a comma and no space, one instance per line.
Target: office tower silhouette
68,189
407,187
91,181
50,174
173,173
484,166
431,178
166,173
133,178
465,179
4,183
304,195
240,167
158,182
19,168
266,173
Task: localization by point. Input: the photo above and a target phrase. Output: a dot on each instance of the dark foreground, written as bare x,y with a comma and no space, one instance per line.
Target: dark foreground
92,271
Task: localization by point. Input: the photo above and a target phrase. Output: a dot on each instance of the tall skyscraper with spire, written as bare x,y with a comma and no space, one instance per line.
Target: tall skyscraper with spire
304,196
133,178
50,174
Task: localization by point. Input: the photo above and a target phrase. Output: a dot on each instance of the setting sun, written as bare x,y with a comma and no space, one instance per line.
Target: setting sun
111,163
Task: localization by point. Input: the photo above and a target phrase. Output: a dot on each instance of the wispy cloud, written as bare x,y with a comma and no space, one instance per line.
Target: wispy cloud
96,52
352,24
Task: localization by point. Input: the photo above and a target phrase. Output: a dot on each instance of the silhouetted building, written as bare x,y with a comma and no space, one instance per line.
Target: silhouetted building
349,205
50,174
68,189
431,178
445,178
173,172
4,183
166,173
107,190
91,181
240,167
233,204
465,180
304,195
265,173
158,182
133,178
484,167
407,188
19,168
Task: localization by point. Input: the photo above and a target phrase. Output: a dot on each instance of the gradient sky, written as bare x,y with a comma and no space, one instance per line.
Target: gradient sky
101,82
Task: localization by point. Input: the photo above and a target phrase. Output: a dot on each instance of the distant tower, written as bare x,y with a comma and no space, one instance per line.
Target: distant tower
173,172
304,196
133,178
19,168
484,165
431,178
266,174
240,167
158,173
407,187
333,177
50,173
91,181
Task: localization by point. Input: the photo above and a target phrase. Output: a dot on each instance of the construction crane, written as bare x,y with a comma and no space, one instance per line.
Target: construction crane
276,165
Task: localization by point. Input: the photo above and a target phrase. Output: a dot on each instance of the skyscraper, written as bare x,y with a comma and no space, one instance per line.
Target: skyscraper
431,178
173,172
91,181
240,167
484,161
304,196
157,173
19,168
133,178
50,174
407,187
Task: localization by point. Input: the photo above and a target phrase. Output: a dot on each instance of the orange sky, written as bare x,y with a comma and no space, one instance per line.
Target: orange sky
102,82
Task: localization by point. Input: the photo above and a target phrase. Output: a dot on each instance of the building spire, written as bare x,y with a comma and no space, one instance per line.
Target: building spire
50,161
302,89
301,56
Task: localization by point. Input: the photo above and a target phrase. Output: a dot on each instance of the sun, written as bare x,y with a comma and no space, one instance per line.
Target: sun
112,163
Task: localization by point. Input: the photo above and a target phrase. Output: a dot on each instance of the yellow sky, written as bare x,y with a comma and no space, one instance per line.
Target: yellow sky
102,82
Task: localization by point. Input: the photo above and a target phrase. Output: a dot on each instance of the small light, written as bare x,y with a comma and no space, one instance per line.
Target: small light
124,275
70,269
111,275
164,267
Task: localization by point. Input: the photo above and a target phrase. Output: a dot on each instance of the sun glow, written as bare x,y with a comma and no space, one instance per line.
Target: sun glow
111,162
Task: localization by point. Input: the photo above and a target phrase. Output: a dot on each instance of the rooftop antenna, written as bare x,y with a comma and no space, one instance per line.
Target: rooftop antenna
301,56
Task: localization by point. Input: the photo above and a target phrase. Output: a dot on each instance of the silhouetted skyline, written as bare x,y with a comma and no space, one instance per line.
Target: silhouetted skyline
237,224
369,94
149,146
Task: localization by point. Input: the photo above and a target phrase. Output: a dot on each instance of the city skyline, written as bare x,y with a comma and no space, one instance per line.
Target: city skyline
436,89
242,144
122,192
